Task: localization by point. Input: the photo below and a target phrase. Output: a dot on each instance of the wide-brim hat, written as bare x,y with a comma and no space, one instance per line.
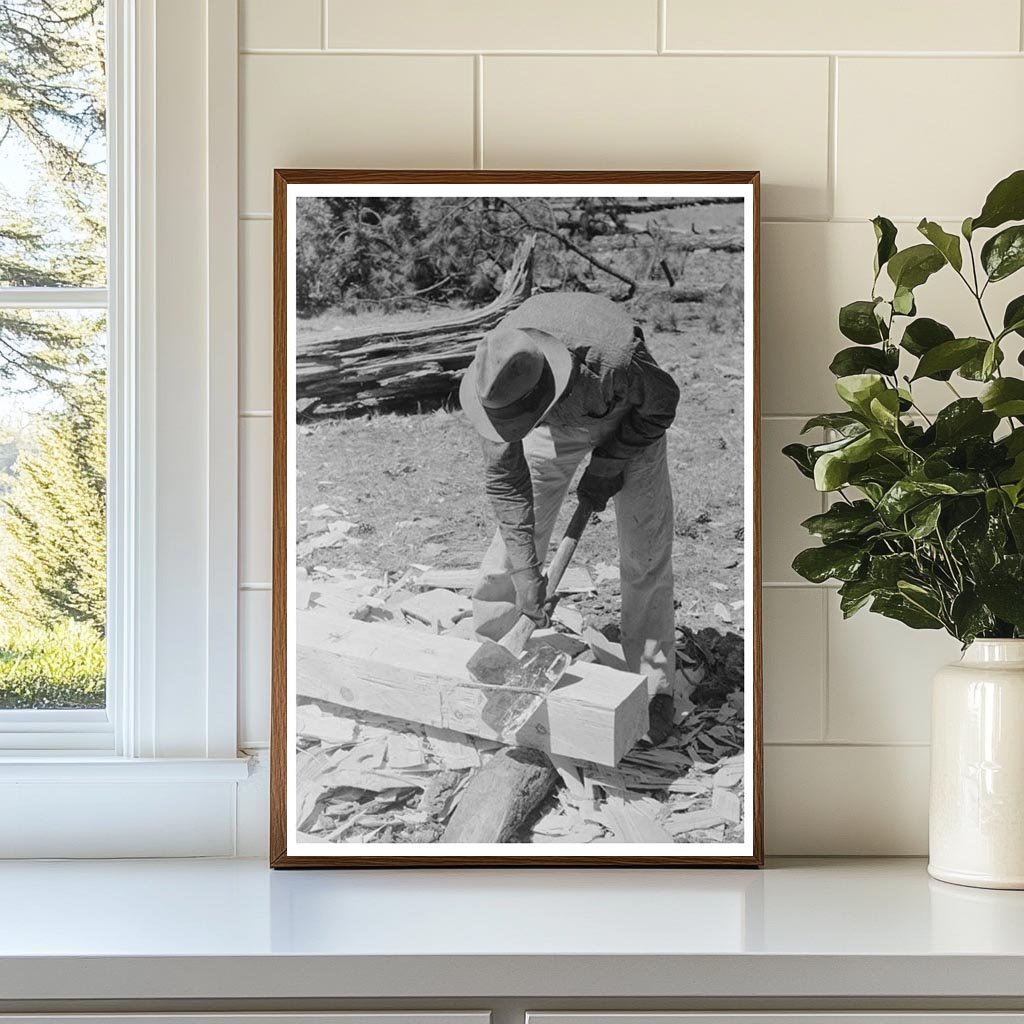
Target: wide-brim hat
516,377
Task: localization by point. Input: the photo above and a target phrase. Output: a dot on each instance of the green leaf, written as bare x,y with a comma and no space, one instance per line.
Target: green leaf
925,334
1013,317
950,355
858,389
885,409
840,421
912,267
1004,594
840,561
925,518
947,244
1003,254
990,360
843,521
887,570
966,417
906,494
1005,202
1004,397
903,302
800,456
857,321
970,617
885,238
849,361
899,608
965,229
855,594
974,368
831,471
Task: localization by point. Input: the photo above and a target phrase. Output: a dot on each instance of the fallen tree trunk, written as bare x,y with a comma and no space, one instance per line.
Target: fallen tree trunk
594,714
501,797
357,371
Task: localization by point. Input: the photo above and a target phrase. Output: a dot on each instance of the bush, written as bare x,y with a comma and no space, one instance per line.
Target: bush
60,667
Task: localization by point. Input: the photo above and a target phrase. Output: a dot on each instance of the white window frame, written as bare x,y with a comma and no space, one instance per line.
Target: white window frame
170,730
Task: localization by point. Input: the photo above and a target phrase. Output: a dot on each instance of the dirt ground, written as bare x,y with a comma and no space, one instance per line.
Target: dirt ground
413,483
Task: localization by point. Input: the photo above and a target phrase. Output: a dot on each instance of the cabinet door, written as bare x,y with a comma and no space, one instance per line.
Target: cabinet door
790,1017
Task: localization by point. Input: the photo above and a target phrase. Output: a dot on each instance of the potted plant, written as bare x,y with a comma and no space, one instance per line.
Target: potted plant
926,524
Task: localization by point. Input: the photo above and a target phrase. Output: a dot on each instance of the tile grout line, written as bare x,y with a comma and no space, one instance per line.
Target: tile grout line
257,51
662,27
851,744
478,111
831,170
323,24
823,682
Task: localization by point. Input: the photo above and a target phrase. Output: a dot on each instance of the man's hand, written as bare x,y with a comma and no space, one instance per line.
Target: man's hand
531,596
598,489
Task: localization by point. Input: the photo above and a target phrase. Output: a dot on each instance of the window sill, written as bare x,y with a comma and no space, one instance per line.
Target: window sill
75,766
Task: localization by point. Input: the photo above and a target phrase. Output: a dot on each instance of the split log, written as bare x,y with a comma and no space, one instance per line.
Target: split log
594,714
501,797
357,371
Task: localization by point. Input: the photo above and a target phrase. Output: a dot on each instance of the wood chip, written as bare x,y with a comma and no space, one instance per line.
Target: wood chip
576,580
605,651
405,750
311,720
438,608
455,753
726,803
689,821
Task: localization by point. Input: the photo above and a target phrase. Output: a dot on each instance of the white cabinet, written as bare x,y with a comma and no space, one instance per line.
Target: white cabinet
785,1017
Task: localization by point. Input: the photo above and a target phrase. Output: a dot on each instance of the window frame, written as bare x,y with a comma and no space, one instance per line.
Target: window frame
173,467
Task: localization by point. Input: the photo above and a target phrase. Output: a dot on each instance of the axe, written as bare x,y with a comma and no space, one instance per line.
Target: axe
519,683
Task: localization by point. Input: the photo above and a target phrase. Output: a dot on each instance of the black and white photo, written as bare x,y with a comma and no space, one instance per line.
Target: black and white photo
516,570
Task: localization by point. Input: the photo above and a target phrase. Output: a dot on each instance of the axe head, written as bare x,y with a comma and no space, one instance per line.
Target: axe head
528,679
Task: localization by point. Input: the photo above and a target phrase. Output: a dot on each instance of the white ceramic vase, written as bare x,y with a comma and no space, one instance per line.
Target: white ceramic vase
976,817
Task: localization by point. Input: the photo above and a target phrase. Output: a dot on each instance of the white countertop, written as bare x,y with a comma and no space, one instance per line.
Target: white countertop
234,929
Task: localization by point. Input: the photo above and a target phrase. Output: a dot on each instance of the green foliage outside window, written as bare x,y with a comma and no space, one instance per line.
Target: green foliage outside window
52,365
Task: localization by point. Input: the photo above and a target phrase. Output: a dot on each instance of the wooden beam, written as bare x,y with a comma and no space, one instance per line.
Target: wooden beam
594,714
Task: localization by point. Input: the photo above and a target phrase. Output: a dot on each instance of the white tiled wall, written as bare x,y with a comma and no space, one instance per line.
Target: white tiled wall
907,109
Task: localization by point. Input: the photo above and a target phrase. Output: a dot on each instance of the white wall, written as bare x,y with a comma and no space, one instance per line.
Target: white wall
908,109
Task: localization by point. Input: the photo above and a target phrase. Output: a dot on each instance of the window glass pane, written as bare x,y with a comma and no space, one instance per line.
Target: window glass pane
53,148
52,509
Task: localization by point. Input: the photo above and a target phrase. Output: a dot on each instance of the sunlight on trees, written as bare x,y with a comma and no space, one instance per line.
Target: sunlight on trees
52,366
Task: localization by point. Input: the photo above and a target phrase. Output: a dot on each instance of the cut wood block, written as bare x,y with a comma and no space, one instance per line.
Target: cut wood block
594,714
314,722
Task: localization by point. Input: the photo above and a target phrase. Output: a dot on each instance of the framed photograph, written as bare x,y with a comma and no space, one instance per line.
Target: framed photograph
516,558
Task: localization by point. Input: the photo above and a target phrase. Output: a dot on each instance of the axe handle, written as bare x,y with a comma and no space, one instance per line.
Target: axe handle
515,639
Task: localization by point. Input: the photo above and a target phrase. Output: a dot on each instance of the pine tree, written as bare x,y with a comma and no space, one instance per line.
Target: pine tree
53,120
53,520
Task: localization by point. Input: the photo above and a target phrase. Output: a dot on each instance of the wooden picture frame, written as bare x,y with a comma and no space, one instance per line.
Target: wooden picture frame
286,850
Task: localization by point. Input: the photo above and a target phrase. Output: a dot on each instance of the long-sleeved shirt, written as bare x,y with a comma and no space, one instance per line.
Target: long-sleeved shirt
617,392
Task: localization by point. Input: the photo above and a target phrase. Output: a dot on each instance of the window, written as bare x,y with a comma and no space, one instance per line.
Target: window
53,366
118,260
